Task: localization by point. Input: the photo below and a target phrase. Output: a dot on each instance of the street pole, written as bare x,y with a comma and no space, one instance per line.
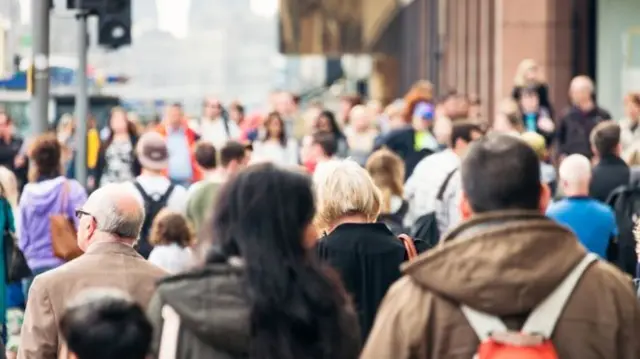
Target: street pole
82,100
40,61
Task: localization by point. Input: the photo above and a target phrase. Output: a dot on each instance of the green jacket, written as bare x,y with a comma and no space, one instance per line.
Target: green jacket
200,203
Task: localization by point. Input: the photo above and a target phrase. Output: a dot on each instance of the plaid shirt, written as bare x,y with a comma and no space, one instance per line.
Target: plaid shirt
422,187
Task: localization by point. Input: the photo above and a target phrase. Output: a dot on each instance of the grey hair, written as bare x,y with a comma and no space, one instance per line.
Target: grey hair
111,218
92,295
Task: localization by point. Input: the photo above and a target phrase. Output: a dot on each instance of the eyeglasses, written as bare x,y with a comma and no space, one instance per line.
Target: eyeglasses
80,212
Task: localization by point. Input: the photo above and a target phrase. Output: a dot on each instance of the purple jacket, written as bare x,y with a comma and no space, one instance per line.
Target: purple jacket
39,201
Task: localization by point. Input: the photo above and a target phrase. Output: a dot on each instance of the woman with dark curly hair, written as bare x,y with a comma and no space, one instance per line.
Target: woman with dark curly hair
261,294
47,193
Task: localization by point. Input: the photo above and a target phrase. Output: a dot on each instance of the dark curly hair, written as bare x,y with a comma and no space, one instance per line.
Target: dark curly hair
170,227
45,154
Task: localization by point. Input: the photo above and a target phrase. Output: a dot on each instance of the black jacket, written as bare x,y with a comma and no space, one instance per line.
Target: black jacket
367,257
610,173
575,127
402,142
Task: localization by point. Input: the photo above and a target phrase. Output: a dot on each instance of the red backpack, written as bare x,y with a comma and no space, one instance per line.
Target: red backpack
533,341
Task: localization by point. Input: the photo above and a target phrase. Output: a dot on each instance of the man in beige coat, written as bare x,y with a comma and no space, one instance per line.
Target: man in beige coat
504,260
109,224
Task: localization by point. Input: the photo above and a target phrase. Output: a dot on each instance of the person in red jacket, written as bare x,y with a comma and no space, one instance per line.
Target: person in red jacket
181,141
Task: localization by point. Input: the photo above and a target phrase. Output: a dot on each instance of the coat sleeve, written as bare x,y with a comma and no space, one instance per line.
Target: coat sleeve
398,331
39,334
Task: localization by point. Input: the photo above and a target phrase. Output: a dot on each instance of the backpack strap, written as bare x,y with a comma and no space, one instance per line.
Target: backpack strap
445,184
145,196
165,197
543,318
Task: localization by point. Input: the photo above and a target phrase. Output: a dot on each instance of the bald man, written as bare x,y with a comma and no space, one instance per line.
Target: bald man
578,121
109,224
593,222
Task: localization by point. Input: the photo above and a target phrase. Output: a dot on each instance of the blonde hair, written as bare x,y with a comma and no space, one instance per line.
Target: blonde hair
9,184
524,66
387,172
344,188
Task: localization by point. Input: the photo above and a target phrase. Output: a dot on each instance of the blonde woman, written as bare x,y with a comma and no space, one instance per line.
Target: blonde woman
632,158
387,171
508,120
365,254
528,75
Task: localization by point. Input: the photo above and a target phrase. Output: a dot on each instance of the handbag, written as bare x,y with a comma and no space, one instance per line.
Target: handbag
63,231
15,264
409,246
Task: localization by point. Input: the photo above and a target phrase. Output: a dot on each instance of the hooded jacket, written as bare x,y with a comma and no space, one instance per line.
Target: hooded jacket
214,314
38,202
505,264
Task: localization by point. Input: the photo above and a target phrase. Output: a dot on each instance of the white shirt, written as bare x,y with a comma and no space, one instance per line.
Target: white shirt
215,132
172,258
156,186
422,187
271,151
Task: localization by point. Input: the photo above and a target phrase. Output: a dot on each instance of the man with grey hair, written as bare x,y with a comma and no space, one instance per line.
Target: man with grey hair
593,223
109,224
579,120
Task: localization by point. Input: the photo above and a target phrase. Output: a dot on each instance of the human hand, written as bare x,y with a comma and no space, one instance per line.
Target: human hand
546,124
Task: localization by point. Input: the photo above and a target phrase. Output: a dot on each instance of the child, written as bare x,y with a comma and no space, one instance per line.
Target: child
171,237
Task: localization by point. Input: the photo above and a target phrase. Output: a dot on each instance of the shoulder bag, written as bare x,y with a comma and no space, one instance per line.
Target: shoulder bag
63,231
15,264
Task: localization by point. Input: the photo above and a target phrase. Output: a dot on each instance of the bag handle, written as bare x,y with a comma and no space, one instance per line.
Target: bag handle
409,246
65,197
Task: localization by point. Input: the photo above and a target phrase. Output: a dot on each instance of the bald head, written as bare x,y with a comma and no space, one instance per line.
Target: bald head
117,211
575,174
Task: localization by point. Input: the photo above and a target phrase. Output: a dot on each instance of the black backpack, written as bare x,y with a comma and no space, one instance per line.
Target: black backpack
425,228
625,202
151,209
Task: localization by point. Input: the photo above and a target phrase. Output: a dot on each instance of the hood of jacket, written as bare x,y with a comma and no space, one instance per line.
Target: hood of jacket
500,263
212,305
45,197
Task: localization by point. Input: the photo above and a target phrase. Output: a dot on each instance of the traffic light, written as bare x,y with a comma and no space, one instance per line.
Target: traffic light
114,24
114,20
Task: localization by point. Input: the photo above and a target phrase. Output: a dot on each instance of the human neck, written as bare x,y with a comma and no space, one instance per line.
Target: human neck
586,105
577,191
153,173
355,218
121,135
102,238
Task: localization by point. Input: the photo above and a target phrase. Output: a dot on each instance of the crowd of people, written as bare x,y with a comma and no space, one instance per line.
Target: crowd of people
415,230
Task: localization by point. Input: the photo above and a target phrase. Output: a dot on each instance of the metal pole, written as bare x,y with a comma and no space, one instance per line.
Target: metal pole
40,38
82,101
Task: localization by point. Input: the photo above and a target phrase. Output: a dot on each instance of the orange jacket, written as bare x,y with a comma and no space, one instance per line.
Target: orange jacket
192,139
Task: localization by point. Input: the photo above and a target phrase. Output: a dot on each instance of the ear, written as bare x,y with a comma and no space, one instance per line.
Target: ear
465,207
545,197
